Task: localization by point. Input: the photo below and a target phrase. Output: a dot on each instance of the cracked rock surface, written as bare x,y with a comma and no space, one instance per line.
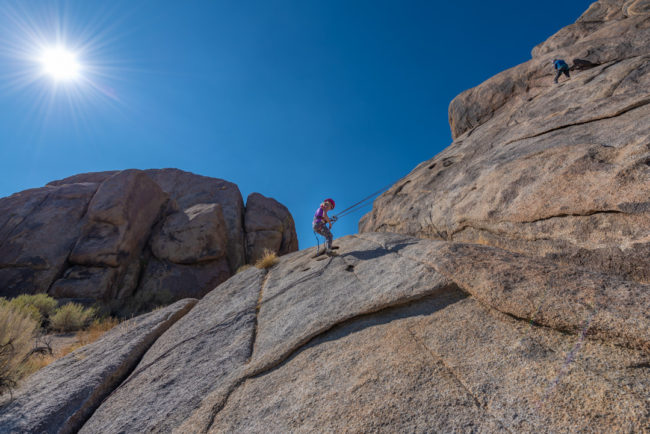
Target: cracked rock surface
502,286
388,336
558,171
108,235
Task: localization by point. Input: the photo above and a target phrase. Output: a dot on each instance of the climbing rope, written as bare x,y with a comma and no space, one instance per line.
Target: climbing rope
317,241
357,206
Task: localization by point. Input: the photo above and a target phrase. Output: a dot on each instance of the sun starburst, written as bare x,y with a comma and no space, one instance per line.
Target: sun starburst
60,64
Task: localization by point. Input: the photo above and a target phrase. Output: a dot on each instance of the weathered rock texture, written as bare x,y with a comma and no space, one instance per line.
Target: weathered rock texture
60,397
269,226
558,171
396,334
536,321
107,235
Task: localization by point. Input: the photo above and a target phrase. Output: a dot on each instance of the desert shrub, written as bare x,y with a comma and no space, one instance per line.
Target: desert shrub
71,317
17,331
268,259
28,310
243,268
41,303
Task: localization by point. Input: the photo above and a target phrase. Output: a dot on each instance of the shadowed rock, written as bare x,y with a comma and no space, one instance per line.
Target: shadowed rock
107,235
269,226
38,229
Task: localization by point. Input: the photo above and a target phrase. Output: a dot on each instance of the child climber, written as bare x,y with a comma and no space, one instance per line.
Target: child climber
321,220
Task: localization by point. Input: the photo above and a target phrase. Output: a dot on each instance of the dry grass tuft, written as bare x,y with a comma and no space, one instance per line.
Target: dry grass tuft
96,330
268,260
84,337
243,268
36,362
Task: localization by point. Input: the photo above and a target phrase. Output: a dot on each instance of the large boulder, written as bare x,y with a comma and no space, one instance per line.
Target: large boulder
119,219
109,235
118,223
269,226
395,334
38,229
174,281
188,189
196,234
557,171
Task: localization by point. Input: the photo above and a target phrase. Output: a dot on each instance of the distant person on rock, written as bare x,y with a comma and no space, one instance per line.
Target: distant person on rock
321,220
560,67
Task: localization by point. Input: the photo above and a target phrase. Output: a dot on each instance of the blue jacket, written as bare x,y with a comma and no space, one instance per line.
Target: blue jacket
560,64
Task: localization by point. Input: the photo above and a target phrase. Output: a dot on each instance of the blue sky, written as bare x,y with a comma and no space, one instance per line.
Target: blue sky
298,100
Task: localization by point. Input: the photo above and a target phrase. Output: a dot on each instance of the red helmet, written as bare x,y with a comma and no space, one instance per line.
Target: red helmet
330,201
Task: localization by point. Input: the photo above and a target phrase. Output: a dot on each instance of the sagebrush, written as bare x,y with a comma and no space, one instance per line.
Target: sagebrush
71,317
17,332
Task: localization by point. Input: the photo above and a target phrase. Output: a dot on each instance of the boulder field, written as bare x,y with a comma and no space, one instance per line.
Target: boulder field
107,235
502,286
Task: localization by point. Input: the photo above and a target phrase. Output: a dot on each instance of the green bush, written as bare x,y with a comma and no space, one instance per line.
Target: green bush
17,331
42,304
71,317
25,309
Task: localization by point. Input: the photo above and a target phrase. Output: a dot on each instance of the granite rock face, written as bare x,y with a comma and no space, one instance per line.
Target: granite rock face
557,171
395,334
38,229
528,311
118,219
269,226
109,235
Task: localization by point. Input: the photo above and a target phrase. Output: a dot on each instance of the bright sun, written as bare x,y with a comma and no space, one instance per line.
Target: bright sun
60,63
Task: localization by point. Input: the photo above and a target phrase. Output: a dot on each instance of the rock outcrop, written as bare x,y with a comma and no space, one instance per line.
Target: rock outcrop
557,171
108,235
395,334
515,299
269,226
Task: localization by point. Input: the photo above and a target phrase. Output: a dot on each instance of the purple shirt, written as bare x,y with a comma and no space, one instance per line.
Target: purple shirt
318,216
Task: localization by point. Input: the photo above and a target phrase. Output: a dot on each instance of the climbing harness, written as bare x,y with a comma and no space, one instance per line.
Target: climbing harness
355,207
